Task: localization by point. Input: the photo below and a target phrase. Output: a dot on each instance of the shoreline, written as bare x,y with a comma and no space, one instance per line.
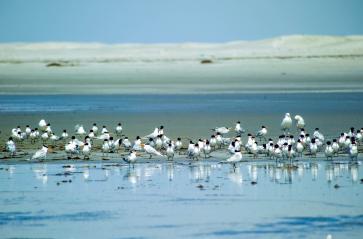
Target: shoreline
186,93
118,161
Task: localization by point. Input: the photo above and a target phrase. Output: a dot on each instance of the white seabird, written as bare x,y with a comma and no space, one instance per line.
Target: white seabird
222,130
150,150
131,158
10,147
236,157
286,123
300,123
40,154
118,129
238,128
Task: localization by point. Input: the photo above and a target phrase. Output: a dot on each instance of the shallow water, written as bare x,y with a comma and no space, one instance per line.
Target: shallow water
181,200
212,103
186,116
165,200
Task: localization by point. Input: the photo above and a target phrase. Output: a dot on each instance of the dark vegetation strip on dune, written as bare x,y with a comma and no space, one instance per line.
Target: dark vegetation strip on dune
63,62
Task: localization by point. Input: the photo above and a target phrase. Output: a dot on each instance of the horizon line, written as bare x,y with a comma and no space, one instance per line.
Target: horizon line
179,42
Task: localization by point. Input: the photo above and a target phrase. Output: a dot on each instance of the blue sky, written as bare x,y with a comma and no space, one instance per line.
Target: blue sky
152,21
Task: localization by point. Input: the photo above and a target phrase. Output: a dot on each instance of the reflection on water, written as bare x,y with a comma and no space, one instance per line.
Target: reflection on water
202,171
188,199
41,173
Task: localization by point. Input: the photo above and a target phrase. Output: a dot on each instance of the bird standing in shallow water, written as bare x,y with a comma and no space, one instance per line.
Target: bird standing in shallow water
10,147
236,157
286,123
329,151
40,154
86,151
170,152
131,158
353,151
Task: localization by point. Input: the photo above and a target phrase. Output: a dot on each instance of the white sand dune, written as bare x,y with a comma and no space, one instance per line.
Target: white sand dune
287,46
283,64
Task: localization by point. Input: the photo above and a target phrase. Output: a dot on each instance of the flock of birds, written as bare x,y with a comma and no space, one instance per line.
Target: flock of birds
286,147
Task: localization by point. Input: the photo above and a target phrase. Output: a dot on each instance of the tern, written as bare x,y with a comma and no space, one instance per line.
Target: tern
170,152
42,124
40,154
104,130
318,135
262,133
64,135
190,149
94,128
131,158
299,147
118,129
178,145
28,130
236,157
161,130
86,151
329,151
222,130
196,152
126,143
313,147
213,142
105,147
335,147
79,129
207,149
48,129
154,134
150,150
137,144
277,152
353,151
238,129
10,147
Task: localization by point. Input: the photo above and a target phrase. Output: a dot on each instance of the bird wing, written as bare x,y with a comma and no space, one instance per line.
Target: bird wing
38,154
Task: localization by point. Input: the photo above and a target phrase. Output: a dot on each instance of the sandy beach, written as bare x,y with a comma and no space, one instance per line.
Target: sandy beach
281,65
145,86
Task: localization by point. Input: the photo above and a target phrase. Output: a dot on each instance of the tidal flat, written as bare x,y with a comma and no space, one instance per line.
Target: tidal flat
154,198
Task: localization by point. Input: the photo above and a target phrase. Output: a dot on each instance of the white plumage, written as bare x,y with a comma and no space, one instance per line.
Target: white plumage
236,157
153,134
286,122
131,158
151,151
222,130
300,123
40,154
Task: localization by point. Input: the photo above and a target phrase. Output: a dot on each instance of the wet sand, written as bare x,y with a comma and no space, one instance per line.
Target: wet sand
250,76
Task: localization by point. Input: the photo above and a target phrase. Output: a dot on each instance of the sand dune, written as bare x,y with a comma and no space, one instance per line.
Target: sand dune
282,64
